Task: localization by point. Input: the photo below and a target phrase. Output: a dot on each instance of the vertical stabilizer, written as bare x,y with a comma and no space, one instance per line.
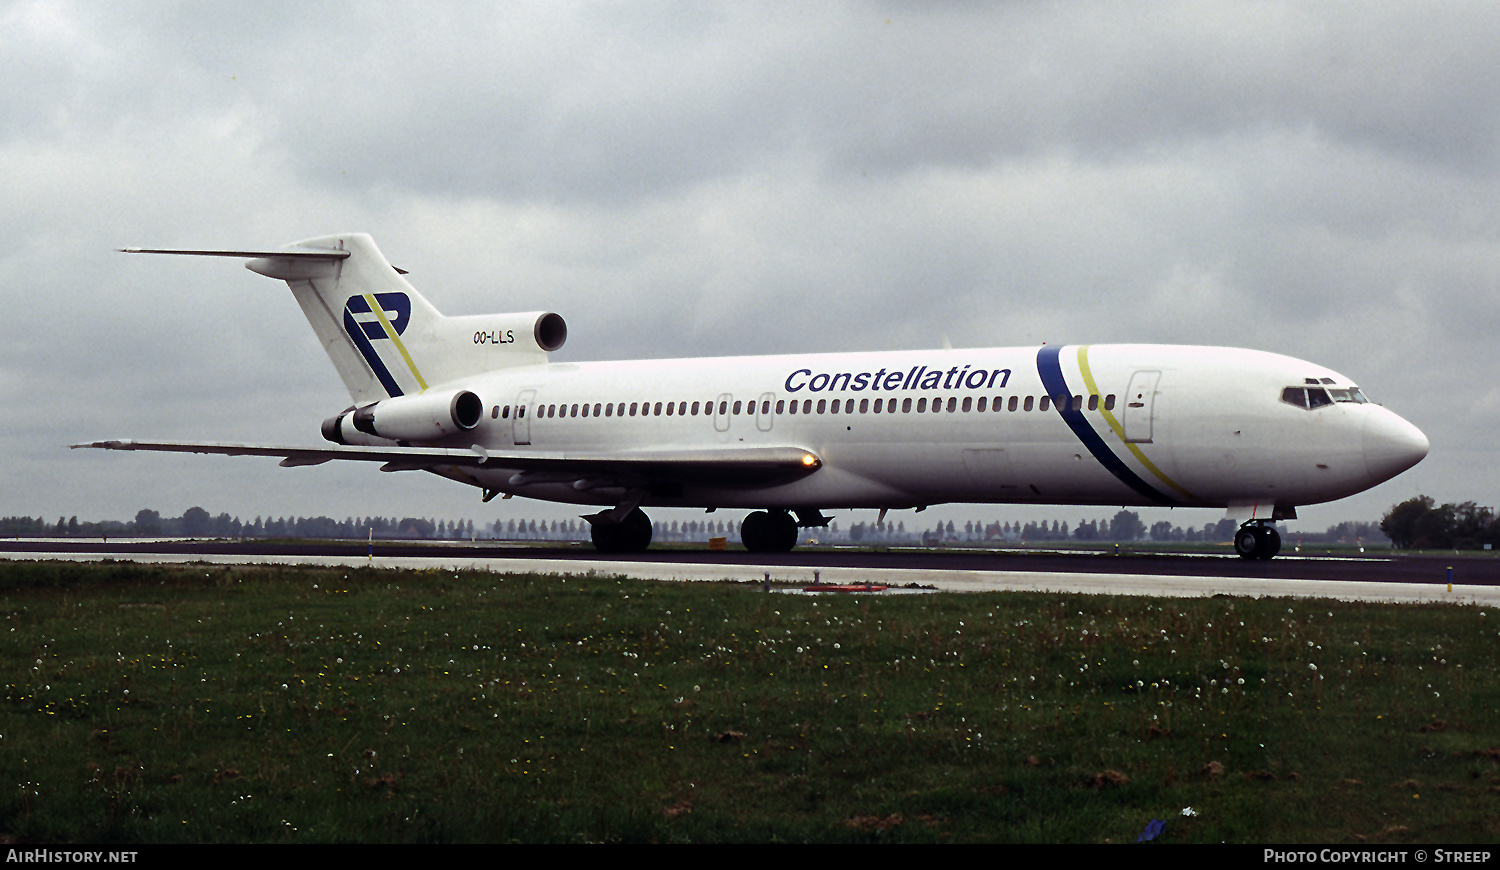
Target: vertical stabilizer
383,336
362,310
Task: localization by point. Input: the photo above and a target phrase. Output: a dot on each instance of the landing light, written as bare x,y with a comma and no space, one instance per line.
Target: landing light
810,460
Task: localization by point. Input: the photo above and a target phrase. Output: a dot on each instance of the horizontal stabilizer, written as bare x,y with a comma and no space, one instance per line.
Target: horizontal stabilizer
246,255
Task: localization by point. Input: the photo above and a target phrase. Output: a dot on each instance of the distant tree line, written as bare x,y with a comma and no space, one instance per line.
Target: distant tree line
1421,524
196,522
1126,526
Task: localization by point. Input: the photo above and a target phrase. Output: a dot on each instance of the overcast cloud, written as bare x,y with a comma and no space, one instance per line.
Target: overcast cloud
1314,179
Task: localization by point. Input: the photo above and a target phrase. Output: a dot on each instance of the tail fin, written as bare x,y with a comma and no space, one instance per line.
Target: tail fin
384,338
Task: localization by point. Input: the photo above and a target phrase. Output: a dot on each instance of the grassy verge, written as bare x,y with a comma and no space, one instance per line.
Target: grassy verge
277,704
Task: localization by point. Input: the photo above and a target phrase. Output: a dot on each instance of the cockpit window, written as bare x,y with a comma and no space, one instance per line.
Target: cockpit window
1312,398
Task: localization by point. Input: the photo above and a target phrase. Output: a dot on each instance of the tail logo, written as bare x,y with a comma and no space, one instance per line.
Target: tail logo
381,317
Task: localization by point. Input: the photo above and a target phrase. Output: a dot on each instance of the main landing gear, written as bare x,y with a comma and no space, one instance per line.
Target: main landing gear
1257,539
630,535
769,532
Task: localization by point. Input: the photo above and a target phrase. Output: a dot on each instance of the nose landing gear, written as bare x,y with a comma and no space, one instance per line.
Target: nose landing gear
1257,539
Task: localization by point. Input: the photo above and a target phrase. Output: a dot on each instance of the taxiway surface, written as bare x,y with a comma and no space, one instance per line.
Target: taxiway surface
1414,579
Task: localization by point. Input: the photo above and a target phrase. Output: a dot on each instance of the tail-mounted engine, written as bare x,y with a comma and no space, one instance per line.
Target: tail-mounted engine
424,417
528,331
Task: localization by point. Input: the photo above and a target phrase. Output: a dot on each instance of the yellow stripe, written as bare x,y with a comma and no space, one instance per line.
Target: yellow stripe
1114,425
390,332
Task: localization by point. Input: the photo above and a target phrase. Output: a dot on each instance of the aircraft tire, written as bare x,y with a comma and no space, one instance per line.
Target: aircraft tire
781,532
1247,543
756,532
630,535
1272,543
1257,542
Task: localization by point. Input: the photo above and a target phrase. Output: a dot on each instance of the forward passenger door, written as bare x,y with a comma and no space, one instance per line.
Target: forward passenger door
1140,400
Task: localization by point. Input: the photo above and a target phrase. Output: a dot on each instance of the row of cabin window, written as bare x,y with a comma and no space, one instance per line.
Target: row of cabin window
807,406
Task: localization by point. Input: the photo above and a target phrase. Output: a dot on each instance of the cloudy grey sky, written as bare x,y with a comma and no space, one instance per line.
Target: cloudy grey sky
1314,179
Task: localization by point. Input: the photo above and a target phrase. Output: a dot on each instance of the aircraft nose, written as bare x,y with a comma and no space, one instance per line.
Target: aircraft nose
1392,445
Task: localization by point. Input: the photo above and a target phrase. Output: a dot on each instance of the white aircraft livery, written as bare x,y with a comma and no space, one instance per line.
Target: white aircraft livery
476,400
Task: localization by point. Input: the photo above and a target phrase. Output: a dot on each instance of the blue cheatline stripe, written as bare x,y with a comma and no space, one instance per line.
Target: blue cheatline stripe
1050,368
367,350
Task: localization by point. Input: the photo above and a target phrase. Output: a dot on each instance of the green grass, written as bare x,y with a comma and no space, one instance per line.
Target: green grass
274,704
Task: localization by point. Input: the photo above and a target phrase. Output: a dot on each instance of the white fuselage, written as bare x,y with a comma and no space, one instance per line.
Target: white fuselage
1138,425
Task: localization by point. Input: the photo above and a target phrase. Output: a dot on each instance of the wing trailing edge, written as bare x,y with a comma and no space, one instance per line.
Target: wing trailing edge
745,467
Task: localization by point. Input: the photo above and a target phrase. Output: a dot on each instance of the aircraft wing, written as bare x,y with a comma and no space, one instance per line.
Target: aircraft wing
748,467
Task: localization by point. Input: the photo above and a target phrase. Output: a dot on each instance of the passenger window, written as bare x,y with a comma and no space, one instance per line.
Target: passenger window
879,405
585,409
835,408
1077,404
1094,402
633,407
495,414
1045,403
737,405
657,411
781,406
765,406
822,406
1109,402
596,409
906,406
574,412
807,406
1012,404
723,407
695,409
864,406
792,408
982,400
922,406
1027,405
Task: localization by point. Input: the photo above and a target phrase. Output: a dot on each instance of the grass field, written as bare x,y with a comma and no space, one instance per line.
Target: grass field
273,704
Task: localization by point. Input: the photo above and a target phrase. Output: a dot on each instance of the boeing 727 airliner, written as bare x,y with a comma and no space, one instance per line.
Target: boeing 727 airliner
476,400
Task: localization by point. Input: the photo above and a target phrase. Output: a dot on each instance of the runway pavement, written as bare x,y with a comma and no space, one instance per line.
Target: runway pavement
1133,571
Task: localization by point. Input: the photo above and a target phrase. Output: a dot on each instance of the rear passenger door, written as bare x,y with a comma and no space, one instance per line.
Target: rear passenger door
521,424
